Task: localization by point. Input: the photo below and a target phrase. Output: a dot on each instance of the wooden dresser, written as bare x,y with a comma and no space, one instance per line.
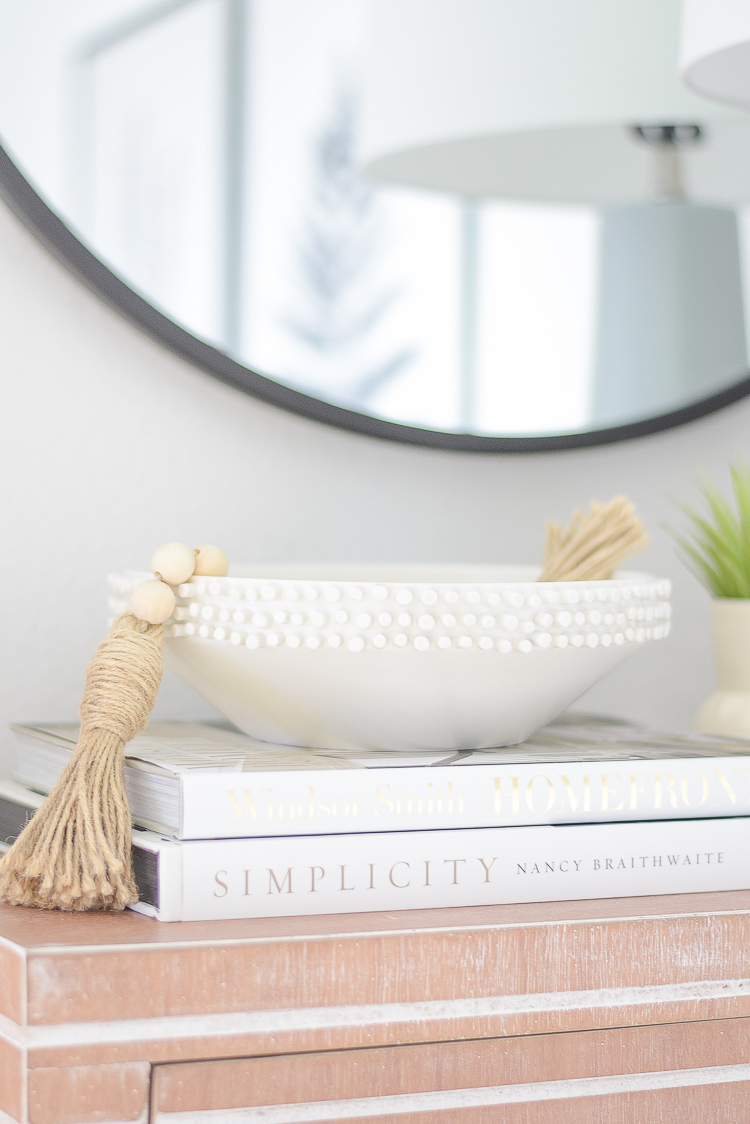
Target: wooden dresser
634,1010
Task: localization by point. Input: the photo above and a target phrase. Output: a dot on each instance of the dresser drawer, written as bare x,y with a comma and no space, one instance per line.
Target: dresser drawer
664,1073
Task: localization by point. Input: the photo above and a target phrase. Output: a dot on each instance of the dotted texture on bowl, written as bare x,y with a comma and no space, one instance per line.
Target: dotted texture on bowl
353,616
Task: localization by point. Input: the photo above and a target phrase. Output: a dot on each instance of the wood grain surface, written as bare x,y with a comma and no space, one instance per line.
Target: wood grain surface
399,1070
362,1008
89,1094
724,1104
419,964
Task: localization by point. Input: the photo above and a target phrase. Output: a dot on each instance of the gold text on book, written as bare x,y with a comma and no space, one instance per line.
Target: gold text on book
504,799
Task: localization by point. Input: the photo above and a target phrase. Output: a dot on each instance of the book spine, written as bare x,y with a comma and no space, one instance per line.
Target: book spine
233,805
171,881
425,869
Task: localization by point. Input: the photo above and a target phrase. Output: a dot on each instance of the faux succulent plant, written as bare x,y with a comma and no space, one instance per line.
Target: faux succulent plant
717,548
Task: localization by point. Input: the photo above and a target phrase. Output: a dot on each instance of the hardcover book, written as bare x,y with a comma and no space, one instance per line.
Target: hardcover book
199,781
283,876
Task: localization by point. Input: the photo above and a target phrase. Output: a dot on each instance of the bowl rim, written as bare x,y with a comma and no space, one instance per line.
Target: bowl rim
386,574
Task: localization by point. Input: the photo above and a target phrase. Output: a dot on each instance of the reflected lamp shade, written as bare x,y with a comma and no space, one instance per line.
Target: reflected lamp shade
715,49
540,100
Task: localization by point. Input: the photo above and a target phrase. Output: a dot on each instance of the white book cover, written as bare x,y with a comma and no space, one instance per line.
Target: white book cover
195,781
285,876
200,880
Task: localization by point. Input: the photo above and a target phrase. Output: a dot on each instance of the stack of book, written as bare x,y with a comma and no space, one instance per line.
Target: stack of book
227,827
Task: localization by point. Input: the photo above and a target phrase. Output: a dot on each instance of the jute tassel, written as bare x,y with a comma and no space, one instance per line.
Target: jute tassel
75,852
592,546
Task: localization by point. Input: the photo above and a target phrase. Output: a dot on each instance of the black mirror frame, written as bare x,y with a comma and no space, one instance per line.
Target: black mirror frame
63,244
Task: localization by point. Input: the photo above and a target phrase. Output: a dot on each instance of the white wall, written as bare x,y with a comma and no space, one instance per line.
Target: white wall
110,445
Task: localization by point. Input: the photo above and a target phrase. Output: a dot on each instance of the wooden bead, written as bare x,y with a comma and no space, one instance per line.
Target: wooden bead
211,561
174,563
152,601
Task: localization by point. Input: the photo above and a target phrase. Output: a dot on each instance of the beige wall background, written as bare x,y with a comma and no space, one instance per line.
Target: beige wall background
109,445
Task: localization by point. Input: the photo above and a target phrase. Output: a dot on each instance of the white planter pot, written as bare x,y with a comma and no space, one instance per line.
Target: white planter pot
727,711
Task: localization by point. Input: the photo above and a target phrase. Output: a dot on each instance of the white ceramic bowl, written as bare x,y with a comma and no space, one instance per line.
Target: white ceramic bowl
401,656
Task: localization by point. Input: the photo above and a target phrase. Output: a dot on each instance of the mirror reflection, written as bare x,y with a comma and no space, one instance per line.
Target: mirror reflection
492,216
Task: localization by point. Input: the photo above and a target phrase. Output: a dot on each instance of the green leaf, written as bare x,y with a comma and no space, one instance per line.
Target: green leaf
717,551
741,484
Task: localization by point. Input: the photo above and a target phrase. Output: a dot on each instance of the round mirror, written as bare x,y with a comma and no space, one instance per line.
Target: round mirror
405,218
